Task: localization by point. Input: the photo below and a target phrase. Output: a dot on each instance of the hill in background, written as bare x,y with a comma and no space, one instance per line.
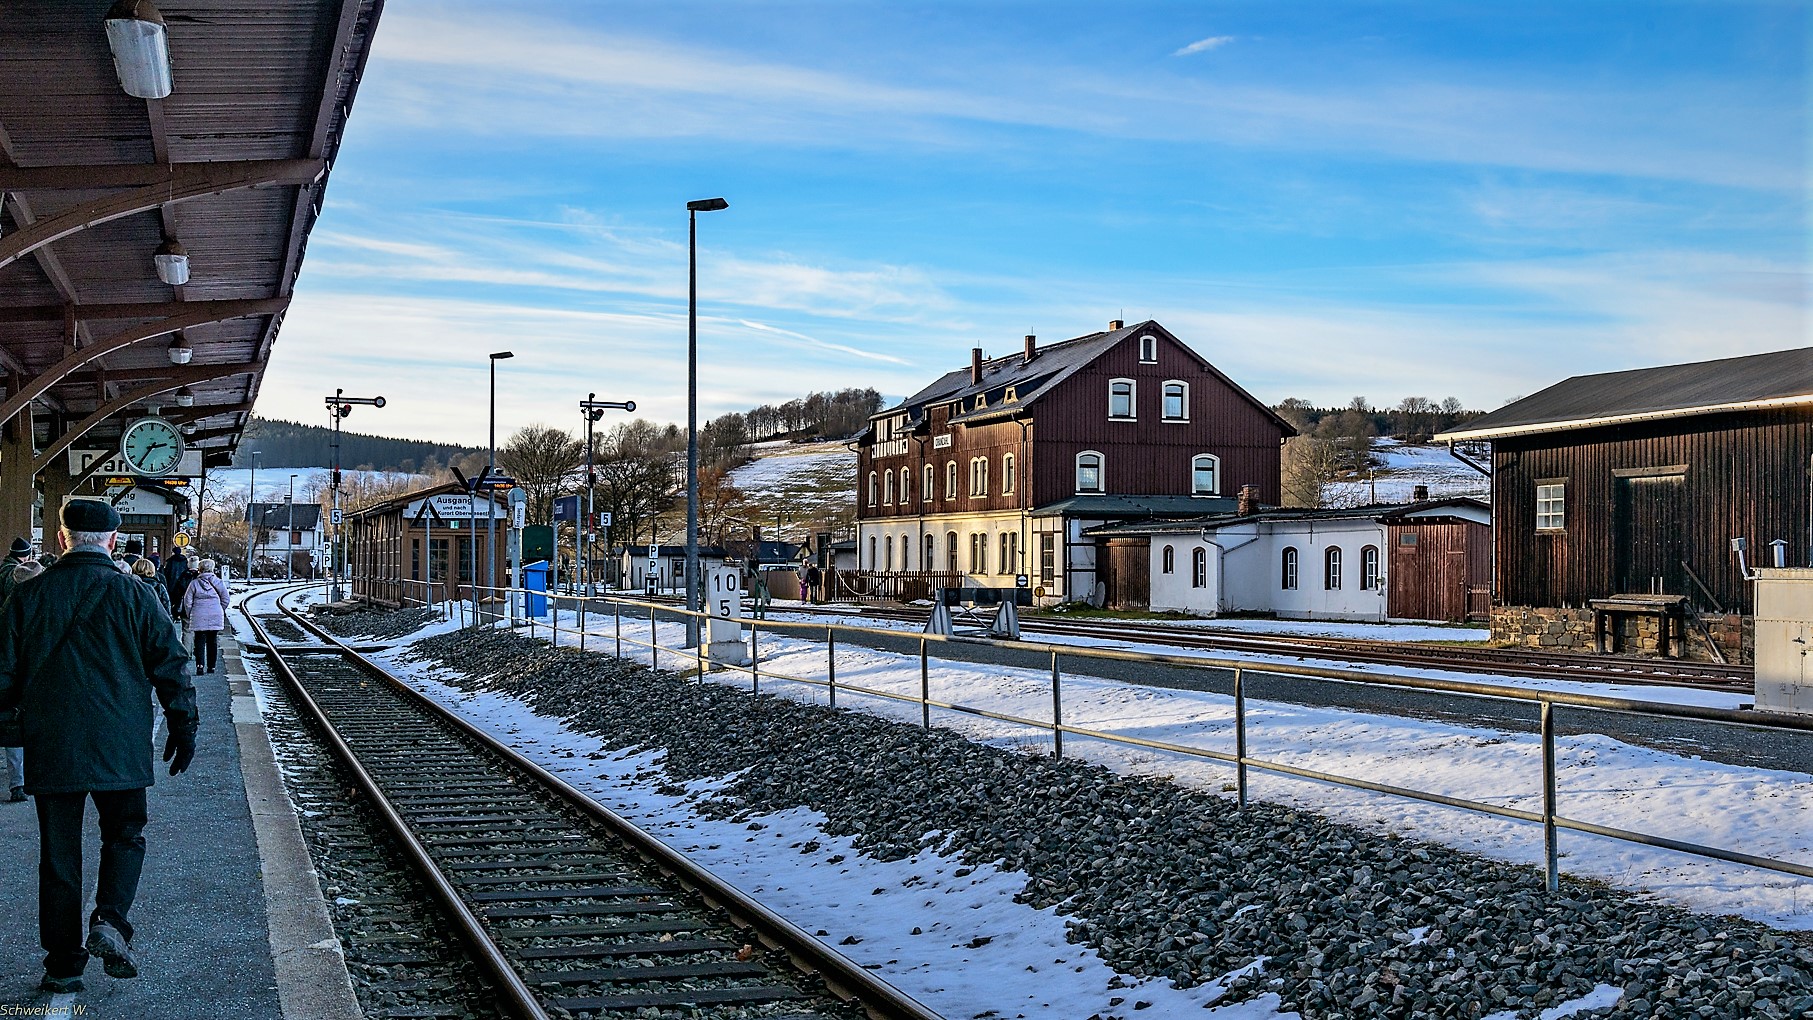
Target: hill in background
292,444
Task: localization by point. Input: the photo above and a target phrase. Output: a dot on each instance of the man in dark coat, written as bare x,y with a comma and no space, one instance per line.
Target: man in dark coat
82,647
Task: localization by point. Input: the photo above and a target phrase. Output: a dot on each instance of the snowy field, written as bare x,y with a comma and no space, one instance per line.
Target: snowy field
1404,467
783,473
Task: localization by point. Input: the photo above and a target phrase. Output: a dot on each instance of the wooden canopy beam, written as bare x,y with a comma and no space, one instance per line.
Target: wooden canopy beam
176,376
194,313
149,187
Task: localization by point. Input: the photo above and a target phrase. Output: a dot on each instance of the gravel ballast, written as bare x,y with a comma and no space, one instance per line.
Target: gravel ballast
1166,881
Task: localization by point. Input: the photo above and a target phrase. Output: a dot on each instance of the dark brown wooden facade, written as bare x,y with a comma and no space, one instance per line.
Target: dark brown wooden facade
1652,506
398,561
1437,570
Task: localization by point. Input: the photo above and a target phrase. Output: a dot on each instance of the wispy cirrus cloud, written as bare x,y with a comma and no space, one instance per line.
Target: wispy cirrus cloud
1213,42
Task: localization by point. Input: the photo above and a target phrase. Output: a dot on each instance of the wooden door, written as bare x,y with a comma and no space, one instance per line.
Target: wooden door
1650,535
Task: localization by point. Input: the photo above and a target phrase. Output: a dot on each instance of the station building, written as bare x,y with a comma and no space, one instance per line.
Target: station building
991,475
1616,497
426,541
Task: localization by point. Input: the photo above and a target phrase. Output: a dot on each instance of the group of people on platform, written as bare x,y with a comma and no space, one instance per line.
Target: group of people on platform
87,640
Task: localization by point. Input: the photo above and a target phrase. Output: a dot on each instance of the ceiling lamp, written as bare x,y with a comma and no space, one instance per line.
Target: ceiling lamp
188,428
180,351
172,263
185,397
141,48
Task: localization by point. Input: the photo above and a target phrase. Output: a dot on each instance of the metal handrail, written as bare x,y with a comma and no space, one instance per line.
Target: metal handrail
1549,817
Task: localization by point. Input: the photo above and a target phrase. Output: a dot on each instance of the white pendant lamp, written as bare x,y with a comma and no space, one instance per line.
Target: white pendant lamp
141,48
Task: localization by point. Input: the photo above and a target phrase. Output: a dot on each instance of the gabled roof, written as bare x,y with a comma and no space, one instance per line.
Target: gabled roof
297,517
1390,513
1050,366
1776,379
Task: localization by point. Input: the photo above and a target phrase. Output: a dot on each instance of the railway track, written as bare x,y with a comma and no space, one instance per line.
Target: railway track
570,909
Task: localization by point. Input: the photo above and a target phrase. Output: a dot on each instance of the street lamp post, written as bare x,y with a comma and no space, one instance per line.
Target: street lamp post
491,469
251,519
289,546
593,409
693,209
339,406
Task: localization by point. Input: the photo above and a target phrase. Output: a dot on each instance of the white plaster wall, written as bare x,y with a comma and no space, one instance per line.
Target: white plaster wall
1245,570
1312,539
913,531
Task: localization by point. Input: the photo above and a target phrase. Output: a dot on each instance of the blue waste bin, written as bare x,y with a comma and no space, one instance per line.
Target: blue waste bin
535,578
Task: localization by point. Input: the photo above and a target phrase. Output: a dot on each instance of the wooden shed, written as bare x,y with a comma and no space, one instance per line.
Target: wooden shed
400,549
1622,490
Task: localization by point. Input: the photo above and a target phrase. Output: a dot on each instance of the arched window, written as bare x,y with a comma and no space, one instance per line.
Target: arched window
872,559
1007,472
874,482
1205,474
1176,405
1148,348
1199,568
1170,559
950,480
906,486
931,553
888,548
931,488
950,549
978,553
1287,577
1369,568
1331,568
1006,560
978,476
1120,400
887,489
1089,472
906,555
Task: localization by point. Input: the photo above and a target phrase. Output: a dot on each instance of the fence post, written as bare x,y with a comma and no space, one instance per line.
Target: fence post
1550,852
582,607
925,688
1239,737
654,640
755,660
1057,709
831,662
698,647
617,625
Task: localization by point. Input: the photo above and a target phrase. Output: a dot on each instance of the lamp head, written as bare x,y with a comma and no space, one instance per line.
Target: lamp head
707,205
501,355
185,397
180,350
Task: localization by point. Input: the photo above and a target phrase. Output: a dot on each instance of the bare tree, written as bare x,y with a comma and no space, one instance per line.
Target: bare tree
1310,465
542,459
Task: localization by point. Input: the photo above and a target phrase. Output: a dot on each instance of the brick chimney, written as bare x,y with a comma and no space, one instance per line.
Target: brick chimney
1115,324
1248,500
975,364
1032,347
1419,493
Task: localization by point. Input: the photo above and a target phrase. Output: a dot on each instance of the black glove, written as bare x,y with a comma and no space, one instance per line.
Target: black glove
179,750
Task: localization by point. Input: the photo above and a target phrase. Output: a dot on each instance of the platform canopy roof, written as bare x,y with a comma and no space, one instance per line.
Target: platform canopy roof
231,166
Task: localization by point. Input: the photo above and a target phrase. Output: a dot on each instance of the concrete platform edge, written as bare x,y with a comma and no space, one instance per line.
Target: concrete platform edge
312,981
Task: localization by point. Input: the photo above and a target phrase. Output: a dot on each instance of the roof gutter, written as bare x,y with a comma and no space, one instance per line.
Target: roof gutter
1464,435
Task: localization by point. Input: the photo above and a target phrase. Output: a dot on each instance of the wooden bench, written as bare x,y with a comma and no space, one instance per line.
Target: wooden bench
1669,611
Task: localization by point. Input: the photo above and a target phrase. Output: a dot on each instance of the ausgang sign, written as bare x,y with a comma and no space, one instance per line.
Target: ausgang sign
454,506
113,464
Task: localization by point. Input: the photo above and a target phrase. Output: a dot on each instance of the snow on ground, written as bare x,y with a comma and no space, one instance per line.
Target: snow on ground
791,470
1764,812
980,953
1402,468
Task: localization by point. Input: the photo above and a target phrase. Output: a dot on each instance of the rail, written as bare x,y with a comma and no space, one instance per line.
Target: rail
581,611
844,978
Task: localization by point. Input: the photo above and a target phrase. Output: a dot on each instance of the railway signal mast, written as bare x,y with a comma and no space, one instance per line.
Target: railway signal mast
339,406
593,409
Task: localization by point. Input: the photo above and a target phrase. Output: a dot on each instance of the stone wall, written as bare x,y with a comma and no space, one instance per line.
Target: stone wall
1571,630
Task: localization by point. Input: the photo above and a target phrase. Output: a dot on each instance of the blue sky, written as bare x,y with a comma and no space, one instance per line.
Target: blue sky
1324,199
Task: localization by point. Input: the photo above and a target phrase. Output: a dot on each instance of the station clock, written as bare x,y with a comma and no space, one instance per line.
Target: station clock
152,446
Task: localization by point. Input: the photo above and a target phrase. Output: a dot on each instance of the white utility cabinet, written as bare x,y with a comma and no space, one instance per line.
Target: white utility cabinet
1784,638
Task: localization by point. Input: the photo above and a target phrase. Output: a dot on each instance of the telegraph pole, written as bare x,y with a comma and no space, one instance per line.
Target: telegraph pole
593,409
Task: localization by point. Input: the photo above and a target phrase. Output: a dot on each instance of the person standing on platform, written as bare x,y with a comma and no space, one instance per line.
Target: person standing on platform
147,573
205,604
18,573
19,553
81,647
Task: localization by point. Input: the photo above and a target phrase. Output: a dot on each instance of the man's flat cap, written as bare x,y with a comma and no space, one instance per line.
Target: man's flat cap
90,515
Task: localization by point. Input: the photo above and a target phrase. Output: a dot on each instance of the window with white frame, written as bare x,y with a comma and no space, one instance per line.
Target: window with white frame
1369,568
931,487
1199,568
1006,559
1551,506
950,551
887,546
906,552
1205,474
1007,473
1120,400
872,561
906,484
950,479
1287,574
1089,472
1168,559
1331,568
931,552
874,484
1176,403
978,553
978,477
887,489
1148,349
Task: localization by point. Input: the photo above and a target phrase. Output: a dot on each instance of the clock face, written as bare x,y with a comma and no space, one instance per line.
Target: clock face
152,446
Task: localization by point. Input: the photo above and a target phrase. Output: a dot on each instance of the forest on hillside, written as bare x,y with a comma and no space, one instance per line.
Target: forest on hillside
292,444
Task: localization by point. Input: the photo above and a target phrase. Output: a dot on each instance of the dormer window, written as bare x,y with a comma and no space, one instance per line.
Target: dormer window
981,401
1010,396
1148,350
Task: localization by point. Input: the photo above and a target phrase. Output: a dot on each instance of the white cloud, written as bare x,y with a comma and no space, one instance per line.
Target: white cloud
1213,42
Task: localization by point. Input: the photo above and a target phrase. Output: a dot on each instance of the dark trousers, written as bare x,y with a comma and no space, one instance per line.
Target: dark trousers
60,871
207,650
